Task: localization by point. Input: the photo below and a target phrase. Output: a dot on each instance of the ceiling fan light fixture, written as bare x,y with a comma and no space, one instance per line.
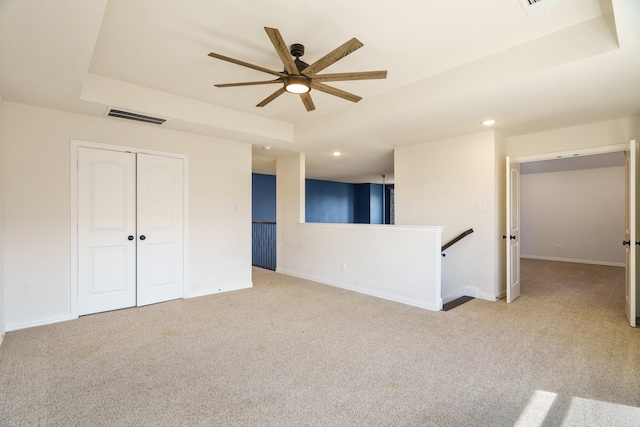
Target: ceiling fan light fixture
296,84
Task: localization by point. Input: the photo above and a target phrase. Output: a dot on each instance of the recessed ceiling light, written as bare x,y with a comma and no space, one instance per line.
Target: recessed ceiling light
337,153
267,147
489,122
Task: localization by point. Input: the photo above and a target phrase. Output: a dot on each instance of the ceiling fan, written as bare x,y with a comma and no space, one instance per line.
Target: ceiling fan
299,77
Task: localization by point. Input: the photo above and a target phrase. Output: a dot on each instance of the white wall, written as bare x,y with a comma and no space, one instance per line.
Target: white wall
583,211
588,136
36,197
455,183
397,263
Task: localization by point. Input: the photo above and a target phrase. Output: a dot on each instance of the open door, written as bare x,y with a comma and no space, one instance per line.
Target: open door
512,232
631,234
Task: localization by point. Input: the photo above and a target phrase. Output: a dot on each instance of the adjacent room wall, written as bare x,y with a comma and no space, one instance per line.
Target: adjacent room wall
328,201
263,197
36,193
576,215
453,183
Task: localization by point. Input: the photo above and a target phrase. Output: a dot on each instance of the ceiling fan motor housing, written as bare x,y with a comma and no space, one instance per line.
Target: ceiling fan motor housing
296,50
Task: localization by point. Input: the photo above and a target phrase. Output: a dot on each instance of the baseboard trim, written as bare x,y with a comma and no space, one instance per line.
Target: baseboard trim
408,301
2,337
32,324
577,261
489,297
218,291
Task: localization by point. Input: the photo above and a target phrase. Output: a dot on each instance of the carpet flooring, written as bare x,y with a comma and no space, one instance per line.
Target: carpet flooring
290,352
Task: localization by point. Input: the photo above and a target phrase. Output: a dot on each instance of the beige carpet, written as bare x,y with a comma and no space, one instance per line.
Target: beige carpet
291,352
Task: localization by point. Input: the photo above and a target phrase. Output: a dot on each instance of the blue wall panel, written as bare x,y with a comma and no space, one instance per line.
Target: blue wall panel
263,197
375,203
328,201
362,204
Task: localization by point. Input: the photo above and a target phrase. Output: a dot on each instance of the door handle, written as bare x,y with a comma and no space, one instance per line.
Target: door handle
142,237
130,237
510,237
626,242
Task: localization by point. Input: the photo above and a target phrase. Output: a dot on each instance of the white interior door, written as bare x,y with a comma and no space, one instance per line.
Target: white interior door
160,229
130,229
512,232
631,235
106,230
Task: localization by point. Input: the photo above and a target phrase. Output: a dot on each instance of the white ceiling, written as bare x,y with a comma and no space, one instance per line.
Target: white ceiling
451,64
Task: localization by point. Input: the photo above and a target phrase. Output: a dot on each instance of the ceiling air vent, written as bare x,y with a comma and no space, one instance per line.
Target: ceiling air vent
112,112
535,6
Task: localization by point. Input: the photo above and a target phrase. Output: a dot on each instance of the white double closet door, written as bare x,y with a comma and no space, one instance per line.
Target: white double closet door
130,229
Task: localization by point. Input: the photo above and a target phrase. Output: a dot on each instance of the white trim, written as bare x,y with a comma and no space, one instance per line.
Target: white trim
570,153
74,145
383,295
219,291
34,323
2,337
491,297
577,261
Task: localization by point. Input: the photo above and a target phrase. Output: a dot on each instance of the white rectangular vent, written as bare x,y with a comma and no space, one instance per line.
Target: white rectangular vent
535,6
135,116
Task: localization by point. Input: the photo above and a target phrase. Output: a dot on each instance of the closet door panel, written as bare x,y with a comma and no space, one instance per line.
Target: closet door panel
106,230
160,229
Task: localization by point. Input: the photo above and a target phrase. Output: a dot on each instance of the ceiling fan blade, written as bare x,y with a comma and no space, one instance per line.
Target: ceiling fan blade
306,100
271,97
333,56
282,50
246,64
336,92
266,82
362,75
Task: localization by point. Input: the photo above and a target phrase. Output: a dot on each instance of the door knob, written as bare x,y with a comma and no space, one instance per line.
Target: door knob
142,237
626,242
512,237
130,237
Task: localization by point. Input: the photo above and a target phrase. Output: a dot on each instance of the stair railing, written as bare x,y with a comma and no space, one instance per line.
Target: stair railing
456,240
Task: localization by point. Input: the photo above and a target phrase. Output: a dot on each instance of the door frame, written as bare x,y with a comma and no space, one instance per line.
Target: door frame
73,167
614,148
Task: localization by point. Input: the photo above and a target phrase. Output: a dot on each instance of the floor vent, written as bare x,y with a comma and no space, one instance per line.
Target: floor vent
112,112
455,303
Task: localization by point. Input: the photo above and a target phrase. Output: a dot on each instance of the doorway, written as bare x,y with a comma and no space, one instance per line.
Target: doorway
130,228
593,218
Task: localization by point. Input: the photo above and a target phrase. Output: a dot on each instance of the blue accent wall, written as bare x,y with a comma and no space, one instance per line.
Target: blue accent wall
375,204
328,201
362,203
263,197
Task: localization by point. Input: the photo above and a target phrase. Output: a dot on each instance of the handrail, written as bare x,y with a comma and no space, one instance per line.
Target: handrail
456,240
262,222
